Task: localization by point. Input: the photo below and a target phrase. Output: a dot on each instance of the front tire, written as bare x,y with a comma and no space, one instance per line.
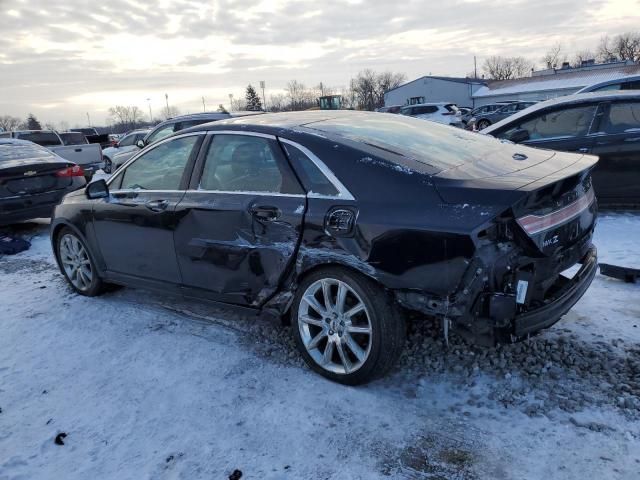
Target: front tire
482,124
346,327
76,264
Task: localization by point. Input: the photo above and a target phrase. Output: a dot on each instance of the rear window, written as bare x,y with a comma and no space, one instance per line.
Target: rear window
428,143
41,138
73,138
17,151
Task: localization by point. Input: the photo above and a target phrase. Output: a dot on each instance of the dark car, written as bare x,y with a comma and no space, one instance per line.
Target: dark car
624,83
483,120
484,109
164,129
340,221
33,180
606,124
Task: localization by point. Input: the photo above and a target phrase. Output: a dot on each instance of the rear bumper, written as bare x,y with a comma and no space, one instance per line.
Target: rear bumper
39,205
561,303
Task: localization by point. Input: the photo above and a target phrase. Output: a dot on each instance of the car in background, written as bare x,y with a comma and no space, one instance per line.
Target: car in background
489,108
33,180
128,143
626,83
606,124
339,221
482,121
93,136
164,129
442,112
87,155
73,138
390,109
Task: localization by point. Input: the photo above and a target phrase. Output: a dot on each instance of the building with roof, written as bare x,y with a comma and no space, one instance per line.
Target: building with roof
432,89
551,83
541,85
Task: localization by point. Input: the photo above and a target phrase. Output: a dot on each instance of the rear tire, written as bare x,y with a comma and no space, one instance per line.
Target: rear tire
77,265
347,327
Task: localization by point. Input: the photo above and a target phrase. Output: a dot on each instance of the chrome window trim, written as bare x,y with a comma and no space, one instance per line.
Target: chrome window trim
247,192
343,192
125,165
240,132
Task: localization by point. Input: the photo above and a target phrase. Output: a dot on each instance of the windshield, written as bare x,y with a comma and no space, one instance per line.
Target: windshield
73,138
41,138
440,146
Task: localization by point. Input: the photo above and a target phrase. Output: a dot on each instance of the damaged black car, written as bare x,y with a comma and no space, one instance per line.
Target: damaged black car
341,222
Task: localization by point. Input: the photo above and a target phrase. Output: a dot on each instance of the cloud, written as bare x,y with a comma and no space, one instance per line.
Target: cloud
59,58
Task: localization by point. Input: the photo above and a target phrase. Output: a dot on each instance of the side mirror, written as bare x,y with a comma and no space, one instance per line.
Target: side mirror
97,189
140,143
519,136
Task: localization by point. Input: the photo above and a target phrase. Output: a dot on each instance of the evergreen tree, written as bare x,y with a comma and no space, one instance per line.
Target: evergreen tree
33,123
253,100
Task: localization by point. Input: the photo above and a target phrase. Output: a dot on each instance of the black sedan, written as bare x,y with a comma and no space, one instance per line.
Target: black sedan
606,124
341,221
33,180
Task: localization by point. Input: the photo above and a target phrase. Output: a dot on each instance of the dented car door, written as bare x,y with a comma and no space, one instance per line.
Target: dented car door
239,224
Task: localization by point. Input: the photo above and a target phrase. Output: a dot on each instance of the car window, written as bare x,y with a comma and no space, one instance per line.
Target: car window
630,85
313,179
161,133
608,88
568,122
160,168
128,140
425,109
243,163
623,117
190,123
44,139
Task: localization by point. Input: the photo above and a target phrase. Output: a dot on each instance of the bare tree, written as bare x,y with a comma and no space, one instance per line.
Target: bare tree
625,46
554,57
168,112
125,117
278,102
8,122
369,87
506,68
300,98
238,105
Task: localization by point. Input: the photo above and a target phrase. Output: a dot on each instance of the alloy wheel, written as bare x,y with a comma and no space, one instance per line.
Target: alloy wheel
335,326
75,261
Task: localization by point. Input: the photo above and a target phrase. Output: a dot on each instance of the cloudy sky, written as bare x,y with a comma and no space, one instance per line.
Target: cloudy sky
61,59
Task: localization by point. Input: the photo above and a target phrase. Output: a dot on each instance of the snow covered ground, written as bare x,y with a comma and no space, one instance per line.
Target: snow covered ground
146,386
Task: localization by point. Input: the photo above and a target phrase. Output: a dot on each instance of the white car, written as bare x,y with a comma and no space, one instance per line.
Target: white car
442,112
125,144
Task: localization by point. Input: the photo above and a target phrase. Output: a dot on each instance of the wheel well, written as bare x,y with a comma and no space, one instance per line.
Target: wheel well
286,314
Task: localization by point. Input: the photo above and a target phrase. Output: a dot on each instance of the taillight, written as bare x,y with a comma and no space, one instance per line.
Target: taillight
75,171
533,224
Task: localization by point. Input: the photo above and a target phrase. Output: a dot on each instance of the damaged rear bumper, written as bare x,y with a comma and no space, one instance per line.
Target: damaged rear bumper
569,293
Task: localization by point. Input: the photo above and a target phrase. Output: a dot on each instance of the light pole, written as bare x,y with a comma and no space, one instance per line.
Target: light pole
264,99
88,119
204,107
230,102
166,97
150,116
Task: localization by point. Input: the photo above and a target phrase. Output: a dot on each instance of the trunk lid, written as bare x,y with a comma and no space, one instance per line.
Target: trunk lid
27,170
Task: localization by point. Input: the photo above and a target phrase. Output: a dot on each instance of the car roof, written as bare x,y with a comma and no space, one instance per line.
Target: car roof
589,88
430,104
564,101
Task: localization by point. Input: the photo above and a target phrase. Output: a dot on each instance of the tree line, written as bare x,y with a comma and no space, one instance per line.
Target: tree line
625,46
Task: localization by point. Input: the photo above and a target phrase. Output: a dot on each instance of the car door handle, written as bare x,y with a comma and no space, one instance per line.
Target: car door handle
78,150
265,212
157,205
584,149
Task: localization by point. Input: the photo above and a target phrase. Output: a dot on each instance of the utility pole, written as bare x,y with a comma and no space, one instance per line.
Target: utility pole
166,97
264,99
204,107
88,119
230,102
150,116
475,67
